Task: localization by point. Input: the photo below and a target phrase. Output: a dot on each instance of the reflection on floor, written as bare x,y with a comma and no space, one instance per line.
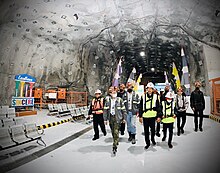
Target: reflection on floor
193,151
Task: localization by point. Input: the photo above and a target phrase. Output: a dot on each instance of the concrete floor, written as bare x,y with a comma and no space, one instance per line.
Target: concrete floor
192,152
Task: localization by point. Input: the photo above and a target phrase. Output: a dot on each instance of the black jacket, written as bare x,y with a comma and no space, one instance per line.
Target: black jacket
119,94
197,100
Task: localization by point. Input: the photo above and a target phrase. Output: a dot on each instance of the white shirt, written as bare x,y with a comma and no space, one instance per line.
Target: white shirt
112,110
129,101
180,100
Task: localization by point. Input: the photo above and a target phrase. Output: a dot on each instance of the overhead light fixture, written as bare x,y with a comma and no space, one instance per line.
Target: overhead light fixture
142,53
152,69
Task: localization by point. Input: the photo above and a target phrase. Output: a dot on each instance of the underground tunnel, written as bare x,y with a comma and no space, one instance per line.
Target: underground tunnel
78,44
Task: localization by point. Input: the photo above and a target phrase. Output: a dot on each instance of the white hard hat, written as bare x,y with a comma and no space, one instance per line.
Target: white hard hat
150,85
170,95
98,91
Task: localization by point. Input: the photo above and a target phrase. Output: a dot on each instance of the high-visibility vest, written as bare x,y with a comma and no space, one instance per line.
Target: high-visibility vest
168,112
97,106
148,104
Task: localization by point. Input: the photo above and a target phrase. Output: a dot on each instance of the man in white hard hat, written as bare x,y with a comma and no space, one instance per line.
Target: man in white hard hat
96,109
168,117
148,111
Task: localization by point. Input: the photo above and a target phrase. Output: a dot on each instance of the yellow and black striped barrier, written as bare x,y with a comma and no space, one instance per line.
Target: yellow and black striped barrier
60,122
215,118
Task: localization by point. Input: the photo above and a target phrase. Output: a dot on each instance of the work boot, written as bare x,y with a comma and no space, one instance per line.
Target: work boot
178,133
182,131
104,133
158,134
95,138
170,145
196,129
133,139
153,142
164,138
130,137
201,129
114,150
122,132
147,146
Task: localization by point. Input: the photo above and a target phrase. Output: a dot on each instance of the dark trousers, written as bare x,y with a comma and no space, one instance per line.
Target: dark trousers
122,127
170,127
149,123
181,116
98,120
198,113
158,128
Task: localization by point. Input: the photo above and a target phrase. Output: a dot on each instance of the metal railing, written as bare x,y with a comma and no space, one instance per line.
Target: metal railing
215,96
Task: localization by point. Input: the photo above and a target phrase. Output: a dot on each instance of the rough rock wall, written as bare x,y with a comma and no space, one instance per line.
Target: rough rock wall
76,43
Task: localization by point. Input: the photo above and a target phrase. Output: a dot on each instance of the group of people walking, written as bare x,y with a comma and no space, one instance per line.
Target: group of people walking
122,106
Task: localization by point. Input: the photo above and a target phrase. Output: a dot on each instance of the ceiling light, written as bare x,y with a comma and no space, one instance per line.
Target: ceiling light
142,53
152,69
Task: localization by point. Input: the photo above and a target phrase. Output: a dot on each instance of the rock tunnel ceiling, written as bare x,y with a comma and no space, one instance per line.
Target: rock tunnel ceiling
77,43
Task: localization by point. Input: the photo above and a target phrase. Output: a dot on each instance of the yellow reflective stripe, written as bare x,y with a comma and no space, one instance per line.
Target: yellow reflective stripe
149,103
123,107
168,111
98,111
149,114
106,107
168,120
135,102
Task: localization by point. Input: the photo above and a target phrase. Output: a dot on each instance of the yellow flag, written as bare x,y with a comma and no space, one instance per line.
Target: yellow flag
175,73
137,82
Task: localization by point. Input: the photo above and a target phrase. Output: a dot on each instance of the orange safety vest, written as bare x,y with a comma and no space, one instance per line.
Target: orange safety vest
97,106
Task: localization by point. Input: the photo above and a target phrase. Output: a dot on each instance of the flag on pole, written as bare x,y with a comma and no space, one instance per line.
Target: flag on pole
131,78
185,75
136,86
118,73
166,78
175,73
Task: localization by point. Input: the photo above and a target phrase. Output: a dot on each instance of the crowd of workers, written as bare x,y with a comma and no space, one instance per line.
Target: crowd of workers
122,106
